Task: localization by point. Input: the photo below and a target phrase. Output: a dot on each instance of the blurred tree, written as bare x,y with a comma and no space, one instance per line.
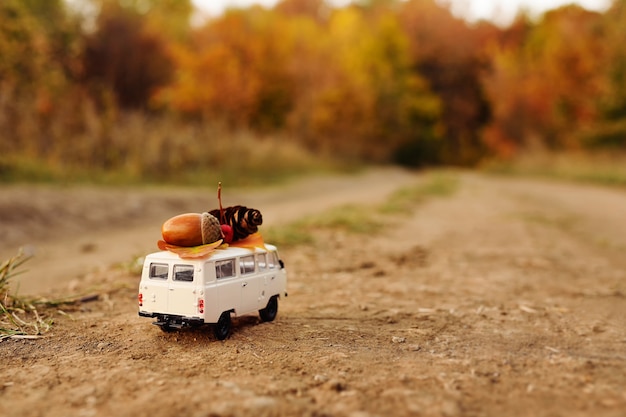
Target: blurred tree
171,18
36,67
127,56
340,82
235,70
543,91
451,57
503,135
374,103
610,131
317,10
21,41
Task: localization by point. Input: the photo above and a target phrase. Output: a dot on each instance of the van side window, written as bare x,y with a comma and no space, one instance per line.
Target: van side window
261,261
225,269
246,264
272,260
158,271
183,273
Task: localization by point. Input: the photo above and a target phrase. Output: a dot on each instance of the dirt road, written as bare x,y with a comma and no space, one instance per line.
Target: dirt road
506,298
101,227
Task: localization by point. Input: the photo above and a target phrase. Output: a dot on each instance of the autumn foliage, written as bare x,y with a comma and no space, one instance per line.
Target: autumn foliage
374,81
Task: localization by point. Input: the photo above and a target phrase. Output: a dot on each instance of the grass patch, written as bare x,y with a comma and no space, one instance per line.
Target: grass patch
359,219
18,316
596,168
139,149
272,163
292,234
348,218
404,200
564,223
26,317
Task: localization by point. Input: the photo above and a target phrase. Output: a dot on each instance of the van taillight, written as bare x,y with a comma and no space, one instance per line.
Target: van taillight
200,305
140,299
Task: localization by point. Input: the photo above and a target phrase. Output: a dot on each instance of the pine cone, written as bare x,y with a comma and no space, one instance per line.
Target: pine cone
243,220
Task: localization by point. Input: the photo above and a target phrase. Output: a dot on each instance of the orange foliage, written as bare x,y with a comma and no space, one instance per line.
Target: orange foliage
232,69
541,90
375,80
451,56
341,84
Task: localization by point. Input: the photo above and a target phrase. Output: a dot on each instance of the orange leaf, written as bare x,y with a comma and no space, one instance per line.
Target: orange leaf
255,240
191,252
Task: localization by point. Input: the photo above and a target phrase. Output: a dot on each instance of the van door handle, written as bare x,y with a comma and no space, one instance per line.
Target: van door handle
244,284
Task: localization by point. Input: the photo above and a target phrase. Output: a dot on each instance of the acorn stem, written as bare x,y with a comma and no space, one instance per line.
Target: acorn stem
219,199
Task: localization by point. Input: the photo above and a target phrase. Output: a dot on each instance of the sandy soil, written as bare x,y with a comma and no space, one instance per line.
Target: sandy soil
506,298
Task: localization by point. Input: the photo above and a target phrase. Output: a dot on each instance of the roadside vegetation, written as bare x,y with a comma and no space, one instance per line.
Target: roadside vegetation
19,317
598,168
29,317
365,219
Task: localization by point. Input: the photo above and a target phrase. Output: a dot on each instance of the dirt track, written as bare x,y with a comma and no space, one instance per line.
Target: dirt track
506,298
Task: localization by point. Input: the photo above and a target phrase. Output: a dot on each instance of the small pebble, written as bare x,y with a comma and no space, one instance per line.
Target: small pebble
320,378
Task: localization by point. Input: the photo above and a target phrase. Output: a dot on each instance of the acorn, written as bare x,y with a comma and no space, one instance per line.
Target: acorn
191,229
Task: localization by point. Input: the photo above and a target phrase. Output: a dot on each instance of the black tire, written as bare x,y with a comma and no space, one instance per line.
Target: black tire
166,328
271,310
223,326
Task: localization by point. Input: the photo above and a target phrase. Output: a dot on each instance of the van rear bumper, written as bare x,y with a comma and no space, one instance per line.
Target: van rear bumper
172,320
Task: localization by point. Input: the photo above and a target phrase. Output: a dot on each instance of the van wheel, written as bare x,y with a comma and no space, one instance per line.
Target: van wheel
166,328
270,311
222,327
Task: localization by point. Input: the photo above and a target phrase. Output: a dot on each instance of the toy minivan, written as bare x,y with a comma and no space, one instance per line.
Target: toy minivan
189,292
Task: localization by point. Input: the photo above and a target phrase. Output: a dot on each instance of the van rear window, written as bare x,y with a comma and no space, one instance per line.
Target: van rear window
158,271
183,273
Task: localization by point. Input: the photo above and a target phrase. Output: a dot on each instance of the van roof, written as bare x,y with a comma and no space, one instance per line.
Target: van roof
217,255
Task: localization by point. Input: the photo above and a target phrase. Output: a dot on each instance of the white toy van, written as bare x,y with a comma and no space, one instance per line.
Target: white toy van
181,292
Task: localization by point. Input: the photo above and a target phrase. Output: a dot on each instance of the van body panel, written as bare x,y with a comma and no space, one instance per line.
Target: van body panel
250,294
156,287
209,292
183,299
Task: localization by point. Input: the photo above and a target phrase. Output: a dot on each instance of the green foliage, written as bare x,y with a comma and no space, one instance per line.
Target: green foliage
599,168
404,200
292,234
346,218
18,38
350,218
605,135
365,220
610,131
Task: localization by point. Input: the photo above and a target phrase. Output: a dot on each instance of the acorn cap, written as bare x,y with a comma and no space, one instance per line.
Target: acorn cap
211,230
